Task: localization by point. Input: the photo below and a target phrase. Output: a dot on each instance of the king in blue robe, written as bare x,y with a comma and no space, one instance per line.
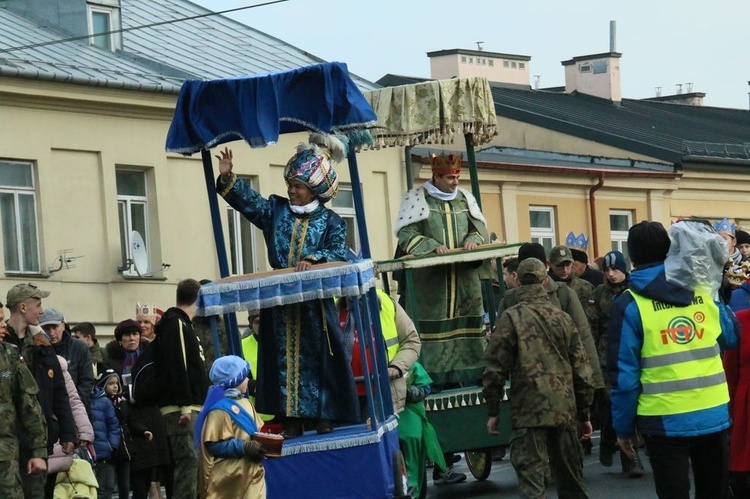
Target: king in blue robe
303,371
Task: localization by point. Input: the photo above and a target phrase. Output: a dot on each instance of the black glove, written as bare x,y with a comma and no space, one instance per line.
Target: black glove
254,451
415,393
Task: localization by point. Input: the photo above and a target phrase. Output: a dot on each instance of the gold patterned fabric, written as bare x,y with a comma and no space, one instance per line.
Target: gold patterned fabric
433,112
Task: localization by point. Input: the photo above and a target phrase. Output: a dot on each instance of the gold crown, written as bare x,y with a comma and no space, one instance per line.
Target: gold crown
446,164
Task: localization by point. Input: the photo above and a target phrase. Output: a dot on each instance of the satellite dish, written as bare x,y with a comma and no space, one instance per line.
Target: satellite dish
139,253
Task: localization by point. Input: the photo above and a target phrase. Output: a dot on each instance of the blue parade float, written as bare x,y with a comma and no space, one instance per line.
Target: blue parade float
353,461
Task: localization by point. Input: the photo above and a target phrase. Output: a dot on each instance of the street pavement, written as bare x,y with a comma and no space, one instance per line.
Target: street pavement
601,482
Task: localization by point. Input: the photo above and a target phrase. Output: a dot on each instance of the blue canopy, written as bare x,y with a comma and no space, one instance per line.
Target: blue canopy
258,108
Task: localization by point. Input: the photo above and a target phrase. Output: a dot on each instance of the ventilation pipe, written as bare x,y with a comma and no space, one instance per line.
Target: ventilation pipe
592,210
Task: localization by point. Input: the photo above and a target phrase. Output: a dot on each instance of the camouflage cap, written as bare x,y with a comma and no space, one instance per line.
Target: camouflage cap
22,292
560,254
534,267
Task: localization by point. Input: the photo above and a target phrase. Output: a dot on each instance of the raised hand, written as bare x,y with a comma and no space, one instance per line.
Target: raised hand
225,163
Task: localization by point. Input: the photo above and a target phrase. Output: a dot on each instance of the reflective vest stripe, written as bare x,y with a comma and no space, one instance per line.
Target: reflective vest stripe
388,324
684,384
391,342
681,368
674,358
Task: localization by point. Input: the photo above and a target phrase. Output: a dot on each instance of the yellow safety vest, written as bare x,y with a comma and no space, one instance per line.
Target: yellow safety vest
388,324
250,353
681,368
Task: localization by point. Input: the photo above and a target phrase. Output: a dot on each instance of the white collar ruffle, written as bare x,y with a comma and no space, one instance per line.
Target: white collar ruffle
438,194
305,209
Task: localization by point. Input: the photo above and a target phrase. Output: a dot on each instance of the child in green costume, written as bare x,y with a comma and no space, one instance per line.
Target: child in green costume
417,436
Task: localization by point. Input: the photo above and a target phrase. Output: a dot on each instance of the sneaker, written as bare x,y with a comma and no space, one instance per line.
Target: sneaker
606,454
441,478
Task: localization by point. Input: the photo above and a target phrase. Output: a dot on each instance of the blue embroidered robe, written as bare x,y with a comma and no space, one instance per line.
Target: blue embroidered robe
303,370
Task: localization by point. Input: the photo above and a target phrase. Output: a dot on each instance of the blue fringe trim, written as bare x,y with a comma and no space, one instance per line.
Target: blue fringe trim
333,442
253,294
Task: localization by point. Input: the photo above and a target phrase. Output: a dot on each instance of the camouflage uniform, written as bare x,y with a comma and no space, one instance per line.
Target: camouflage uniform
598,311
539,348
22,425
562,298
583,289
202,328
184,457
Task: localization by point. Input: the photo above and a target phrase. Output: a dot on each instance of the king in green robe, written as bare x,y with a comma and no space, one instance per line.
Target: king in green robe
449,309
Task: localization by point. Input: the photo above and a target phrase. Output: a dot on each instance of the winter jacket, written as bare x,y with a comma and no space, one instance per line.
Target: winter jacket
185,375
80,416
144,454
53,397
626,340
106,425
79,363
566,300
122,453
116,354
740,297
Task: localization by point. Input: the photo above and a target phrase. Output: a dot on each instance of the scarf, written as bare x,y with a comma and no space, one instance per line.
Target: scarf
438,194
224,400
129,361
736,257
306,209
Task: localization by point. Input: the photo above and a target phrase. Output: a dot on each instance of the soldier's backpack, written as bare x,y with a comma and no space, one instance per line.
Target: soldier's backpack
144,376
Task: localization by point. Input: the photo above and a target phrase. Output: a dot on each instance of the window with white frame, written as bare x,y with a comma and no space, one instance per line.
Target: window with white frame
18,215
132,209
619,223
343,205
104,17
542,223
242,240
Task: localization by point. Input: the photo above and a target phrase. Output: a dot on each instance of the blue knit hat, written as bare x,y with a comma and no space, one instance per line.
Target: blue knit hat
616,260
229,371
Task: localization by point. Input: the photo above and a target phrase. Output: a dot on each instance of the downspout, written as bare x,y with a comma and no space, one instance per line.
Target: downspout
592,209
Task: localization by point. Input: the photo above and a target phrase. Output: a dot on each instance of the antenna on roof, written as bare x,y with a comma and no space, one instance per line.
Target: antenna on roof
679,88
479,46
536,81
658,91
689,87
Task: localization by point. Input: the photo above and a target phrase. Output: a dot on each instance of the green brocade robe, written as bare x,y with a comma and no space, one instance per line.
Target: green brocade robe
449,310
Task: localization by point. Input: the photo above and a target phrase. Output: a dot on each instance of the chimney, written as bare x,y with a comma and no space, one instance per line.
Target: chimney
596,74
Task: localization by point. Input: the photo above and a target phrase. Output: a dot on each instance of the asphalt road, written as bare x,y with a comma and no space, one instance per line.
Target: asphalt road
601,482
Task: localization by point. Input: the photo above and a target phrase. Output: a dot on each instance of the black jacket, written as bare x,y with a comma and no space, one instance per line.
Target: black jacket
135,419
53,396
184,379
79,364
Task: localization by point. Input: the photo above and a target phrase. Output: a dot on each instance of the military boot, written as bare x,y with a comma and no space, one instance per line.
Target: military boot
633,467
606,453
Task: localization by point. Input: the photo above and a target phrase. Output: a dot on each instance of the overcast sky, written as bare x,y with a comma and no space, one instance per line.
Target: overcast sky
663,42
